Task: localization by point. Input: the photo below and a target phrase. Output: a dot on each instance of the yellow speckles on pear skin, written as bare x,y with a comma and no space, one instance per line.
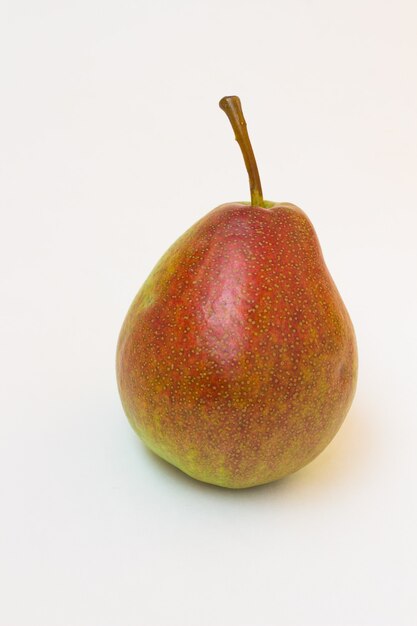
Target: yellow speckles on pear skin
237,359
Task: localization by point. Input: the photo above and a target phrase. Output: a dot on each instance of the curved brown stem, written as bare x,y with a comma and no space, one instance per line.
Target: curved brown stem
232,107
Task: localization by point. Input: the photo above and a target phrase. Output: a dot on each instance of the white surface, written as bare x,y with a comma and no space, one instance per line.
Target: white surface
112,144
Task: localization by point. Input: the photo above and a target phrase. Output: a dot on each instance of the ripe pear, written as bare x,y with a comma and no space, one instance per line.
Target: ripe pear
237,360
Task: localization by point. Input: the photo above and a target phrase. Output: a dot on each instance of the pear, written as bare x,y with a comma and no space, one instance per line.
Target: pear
237,360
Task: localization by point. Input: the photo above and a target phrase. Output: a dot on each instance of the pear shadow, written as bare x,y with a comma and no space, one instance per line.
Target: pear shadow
348,453
349,448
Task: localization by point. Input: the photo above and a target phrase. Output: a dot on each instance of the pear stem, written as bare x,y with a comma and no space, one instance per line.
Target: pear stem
232,107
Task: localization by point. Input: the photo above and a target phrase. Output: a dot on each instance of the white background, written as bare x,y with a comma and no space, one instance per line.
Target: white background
111,145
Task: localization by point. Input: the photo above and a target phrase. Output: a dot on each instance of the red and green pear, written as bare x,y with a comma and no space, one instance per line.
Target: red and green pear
237,360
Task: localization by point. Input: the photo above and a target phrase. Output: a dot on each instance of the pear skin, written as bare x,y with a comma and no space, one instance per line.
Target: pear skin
237,361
